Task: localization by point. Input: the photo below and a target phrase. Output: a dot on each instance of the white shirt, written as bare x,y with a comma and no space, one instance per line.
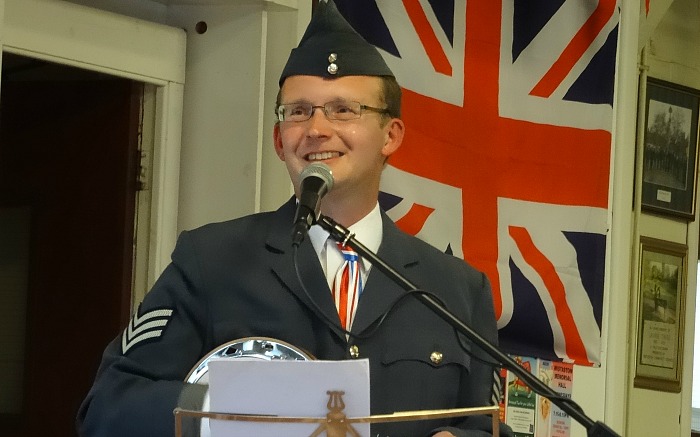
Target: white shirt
368,231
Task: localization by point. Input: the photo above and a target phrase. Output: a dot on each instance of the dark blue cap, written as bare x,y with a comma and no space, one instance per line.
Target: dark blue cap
331,48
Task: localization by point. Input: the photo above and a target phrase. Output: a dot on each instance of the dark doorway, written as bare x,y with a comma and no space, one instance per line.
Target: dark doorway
68,172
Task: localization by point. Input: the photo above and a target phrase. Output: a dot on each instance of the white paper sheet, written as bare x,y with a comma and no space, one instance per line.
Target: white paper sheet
285,388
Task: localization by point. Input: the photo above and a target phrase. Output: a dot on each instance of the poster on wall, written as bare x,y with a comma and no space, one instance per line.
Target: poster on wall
661,296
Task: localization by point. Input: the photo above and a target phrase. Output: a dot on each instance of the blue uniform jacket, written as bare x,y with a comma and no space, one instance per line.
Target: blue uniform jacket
236,279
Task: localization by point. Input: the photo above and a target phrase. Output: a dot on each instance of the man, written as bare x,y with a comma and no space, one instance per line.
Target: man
339,105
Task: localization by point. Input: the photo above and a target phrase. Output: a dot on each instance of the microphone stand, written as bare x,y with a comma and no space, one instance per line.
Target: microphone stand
343,235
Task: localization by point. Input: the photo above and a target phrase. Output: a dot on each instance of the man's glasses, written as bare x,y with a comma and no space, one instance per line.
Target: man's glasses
338,110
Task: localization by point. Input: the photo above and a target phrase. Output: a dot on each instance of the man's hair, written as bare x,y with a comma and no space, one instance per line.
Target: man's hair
390,94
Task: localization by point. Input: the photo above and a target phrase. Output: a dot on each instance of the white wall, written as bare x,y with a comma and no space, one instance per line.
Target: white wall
672,54
220,118
695,393
228,165
601,392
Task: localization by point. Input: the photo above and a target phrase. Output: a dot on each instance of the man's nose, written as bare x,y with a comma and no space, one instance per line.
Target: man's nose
319,122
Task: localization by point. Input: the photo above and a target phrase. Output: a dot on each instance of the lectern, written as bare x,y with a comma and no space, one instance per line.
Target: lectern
335,423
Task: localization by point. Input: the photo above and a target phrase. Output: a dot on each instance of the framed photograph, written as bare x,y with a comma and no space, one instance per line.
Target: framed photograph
670,149
662,289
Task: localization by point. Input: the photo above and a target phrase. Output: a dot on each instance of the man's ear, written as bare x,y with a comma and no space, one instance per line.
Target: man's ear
394,136
277,139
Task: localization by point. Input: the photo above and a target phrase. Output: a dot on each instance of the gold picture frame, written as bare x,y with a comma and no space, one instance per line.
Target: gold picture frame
661,310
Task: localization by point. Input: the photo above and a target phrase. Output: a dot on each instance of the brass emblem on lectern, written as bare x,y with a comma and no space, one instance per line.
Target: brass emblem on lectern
336,424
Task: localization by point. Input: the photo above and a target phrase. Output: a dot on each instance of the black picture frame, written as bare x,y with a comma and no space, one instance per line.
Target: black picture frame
670,149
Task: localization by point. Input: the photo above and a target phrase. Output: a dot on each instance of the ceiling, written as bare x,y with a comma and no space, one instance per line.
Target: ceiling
191,2
125,5
206,2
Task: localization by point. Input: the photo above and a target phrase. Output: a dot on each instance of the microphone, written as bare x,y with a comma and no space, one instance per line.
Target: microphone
316,182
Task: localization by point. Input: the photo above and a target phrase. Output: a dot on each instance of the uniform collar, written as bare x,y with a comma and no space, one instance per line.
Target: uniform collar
368,231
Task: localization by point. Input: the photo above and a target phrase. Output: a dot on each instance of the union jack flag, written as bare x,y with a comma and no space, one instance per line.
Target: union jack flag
506,160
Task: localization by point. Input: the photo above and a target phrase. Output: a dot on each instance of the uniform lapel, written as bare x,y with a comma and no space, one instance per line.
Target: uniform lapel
380,291
279,244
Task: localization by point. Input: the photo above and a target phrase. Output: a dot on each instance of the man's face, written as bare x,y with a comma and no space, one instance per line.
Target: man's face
355,150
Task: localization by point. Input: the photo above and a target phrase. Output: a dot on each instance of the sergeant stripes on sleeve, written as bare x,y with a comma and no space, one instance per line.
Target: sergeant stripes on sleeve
144,327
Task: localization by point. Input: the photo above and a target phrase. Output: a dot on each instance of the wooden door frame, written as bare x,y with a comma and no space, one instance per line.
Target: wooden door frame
151,53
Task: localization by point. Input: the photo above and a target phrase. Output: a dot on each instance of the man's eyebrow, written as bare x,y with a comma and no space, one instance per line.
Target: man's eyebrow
295,101
332,100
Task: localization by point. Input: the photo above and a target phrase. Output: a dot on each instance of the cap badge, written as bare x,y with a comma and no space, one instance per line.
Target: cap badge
332,66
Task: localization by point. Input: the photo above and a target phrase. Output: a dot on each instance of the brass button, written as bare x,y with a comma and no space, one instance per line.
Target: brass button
332,57
436,357
354,351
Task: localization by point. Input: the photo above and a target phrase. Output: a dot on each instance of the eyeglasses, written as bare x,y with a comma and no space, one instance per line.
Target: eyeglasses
338,110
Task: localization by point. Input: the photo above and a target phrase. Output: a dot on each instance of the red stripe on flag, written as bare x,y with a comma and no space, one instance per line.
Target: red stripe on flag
575,348
430,42
414,220
573,52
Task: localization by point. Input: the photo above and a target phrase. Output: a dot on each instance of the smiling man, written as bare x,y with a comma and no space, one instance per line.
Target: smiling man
338,104
344,123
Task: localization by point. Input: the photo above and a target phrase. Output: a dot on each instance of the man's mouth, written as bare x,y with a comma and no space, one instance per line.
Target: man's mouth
321,156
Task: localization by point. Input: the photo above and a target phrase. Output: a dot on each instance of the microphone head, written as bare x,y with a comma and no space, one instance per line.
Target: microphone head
319,170
316,181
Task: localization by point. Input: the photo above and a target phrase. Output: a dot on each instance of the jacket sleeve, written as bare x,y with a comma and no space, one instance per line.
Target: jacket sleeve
141,377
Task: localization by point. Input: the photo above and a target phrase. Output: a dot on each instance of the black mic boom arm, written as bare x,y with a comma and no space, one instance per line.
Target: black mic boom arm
343,235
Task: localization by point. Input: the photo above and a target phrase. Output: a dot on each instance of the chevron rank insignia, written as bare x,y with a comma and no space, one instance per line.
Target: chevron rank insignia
147,326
